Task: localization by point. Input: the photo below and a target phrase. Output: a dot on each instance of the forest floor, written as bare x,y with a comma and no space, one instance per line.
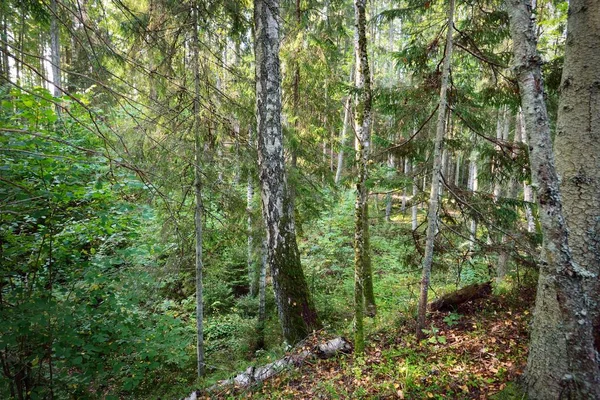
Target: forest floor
475,352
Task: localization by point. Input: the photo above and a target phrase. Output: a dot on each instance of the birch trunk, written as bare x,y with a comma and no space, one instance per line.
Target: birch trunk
472,185
55,50
432,214
343,135
562,360
297,313
198,194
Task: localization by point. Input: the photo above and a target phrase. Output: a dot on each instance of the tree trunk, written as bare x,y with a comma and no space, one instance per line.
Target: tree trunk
388,198
432,214
472,185
55,50
250,242
262,293
513,191
344,133
457,170
198,194
4,65
414,209
296,310
404,190
527,191
362,128
577,147
562,360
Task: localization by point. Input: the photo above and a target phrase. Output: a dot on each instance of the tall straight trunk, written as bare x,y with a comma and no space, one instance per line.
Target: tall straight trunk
391,164
562,360
457,170
42,80
297,313
198,194
343,136
250,241
404,190
55,49
472,185
4,65
295,107
577,143
432,214
362,128
527,190
262,295
414,209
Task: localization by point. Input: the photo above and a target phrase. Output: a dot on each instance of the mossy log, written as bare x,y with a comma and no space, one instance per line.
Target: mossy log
451,301
258,374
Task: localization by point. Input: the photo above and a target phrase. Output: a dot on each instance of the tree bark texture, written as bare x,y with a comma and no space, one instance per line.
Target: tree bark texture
432,214
577,144
198,194
297,313
362,128
562,362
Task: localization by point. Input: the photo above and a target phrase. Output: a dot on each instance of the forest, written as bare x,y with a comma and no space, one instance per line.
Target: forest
298,199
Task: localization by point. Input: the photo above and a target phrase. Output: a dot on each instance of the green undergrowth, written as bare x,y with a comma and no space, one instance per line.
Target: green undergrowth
473,355
469,353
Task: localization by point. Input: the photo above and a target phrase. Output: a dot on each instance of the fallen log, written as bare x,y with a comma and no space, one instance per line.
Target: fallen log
451,301
255,374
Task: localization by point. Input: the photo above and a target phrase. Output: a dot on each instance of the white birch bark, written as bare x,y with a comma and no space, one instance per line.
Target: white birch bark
55,50
343,135
562,361
296,310
472,185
